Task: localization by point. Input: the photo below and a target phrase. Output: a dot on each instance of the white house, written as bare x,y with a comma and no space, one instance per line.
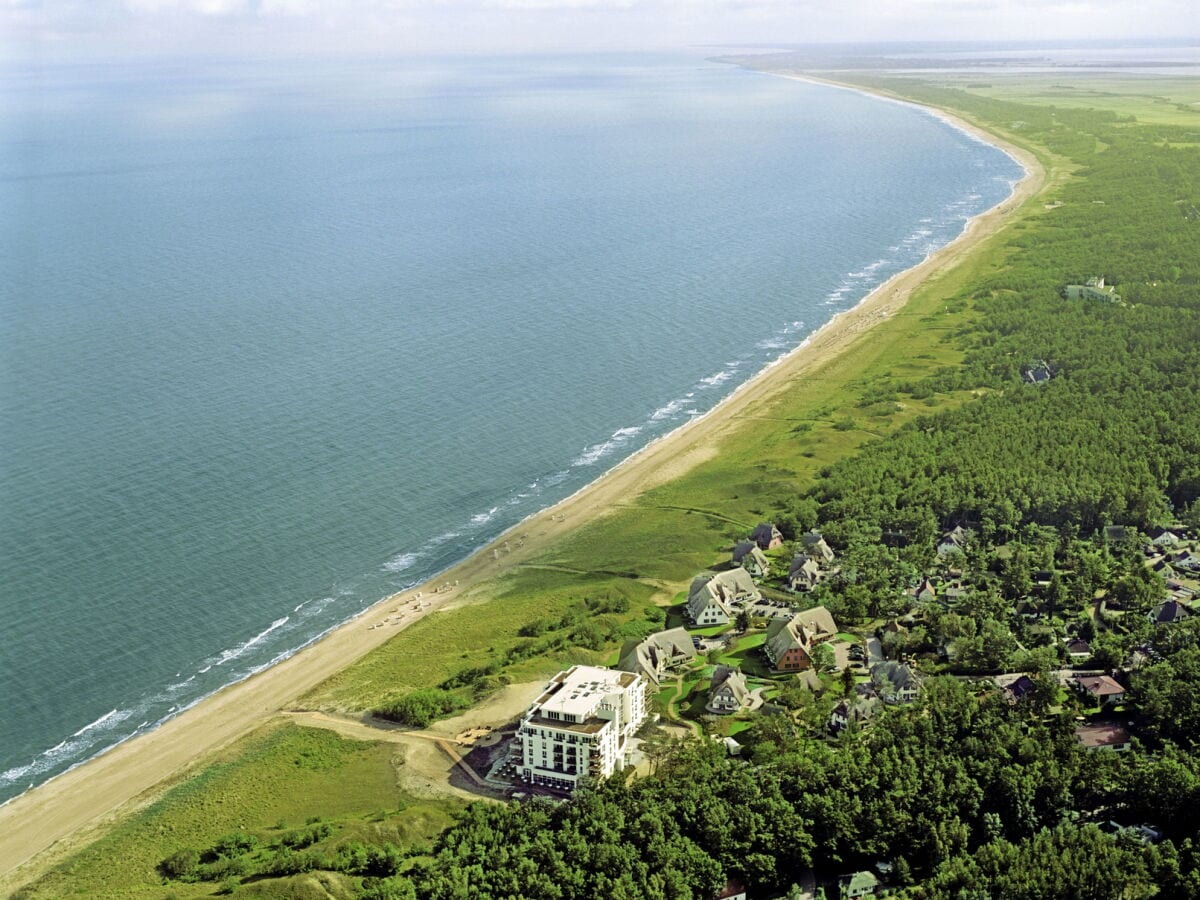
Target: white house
657,655
895,682
715,599
580,726
728,692
748,555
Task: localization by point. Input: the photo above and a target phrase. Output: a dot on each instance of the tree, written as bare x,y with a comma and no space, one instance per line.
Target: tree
847,681
822,657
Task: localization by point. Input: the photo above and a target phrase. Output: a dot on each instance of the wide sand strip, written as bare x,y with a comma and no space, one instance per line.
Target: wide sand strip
73,807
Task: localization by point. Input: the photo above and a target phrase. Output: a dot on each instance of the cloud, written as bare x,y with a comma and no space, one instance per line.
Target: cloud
122,27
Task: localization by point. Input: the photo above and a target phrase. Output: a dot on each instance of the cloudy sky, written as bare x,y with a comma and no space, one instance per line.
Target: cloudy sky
99,28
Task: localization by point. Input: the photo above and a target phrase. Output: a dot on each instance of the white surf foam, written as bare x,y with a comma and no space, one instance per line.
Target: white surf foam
113,716
243,648
484,517
717,378
596,452
397,563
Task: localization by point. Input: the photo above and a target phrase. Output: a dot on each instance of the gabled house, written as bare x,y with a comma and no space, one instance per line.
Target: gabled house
728,692
1079,650
1037,372
1169,612
815,546
767,536
705,609
895,682
858,884
894,627
715,599
1103,690
1165,539
658,654
805,573
925,591
954,594
954,539
1103,736
790,642
1186,561
1018,690
1092,289
748,555
858,710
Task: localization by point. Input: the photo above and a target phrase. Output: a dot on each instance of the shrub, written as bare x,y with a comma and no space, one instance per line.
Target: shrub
180,865
234,844
419,708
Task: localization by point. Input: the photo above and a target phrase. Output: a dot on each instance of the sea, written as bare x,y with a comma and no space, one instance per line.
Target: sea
279,339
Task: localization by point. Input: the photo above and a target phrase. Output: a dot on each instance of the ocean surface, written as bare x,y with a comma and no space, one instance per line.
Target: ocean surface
277,340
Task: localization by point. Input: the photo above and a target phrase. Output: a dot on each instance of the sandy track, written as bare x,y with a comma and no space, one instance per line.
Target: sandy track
41,826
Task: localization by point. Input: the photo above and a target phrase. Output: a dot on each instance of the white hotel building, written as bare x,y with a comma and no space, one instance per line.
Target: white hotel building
580,726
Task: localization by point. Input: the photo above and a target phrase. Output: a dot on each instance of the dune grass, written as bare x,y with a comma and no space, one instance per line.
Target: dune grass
277,779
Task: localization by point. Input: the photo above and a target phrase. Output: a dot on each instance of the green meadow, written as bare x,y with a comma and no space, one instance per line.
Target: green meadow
1148,99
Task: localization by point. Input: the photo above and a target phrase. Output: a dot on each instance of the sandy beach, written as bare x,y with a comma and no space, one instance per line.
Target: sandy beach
42,825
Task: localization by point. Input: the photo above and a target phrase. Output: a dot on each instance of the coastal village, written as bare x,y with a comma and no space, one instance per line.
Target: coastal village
745,643
926,626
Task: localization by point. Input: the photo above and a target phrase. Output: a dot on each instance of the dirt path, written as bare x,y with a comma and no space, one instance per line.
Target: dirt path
70,809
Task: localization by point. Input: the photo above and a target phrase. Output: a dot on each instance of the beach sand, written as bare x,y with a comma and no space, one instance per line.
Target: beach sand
41,826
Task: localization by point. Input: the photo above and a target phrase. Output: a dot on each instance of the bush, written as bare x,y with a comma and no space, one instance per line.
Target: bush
305,837
536,628
419,708
223,869
180,865
234,844
286,862
388,889
617,604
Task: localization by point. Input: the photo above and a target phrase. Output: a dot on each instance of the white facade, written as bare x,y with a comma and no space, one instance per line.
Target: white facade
580,726
715,599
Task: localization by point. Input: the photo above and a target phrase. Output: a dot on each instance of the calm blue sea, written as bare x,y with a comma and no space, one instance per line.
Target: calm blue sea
277,340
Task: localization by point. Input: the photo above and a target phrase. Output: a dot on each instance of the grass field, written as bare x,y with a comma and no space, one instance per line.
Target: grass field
1150,99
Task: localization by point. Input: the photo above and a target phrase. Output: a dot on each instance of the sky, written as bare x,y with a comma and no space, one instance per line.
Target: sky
83,29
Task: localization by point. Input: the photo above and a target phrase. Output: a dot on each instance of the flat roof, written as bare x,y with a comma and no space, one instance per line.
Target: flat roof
592,726
579,690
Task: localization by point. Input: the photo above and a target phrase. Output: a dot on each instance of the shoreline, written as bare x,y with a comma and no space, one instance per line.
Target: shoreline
71,807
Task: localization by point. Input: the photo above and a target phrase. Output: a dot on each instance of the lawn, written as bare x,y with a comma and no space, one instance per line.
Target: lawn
744,653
